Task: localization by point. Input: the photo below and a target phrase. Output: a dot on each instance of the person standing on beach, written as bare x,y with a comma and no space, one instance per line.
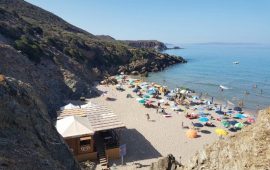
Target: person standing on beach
157,110
147,116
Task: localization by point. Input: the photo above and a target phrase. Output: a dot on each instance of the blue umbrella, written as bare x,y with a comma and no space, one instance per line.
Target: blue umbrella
229,112
203,119
240,116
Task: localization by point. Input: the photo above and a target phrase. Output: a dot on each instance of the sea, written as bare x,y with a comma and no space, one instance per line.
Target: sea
211,65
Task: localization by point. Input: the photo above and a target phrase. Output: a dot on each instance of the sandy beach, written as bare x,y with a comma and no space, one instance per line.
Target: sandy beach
148,140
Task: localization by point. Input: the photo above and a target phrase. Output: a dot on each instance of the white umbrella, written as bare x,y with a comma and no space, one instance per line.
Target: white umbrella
184,91
161,101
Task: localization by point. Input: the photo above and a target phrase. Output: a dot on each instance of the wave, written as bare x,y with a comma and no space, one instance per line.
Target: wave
224,87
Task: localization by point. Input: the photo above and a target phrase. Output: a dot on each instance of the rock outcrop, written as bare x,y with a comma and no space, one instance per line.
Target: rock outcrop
248,149
28,139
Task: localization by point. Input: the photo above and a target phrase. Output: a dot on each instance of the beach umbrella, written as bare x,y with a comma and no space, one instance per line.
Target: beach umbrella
250,120
142,101
220,112
161,101
151,91
149,102
221,132
240,116
229,112
191,133
146,96
239,125
203,119
232,122
226,124
239,109
183,91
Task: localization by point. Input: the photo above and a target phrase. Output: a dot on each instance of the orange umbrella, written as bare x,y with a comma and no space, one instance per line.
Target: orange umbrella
191,133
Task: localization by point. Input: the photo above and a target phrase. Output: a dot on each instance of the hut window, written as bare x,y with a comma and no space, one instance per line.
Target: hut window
85,144
85,141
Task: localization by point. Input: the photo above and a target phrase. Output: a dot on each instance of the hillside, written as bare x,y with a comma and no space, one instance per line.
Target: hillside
62,59
45,61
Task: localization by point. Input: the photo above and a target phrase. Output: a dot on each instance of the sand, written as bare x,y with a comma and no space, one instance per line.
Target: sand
149,140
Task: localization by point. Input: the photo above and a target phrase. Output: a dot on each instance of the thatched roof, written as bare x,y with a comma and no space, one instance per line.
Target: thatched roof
99,117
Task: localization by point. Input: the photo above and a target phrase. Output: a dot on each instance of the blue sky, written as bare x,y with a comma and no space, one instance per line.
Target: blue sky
170,21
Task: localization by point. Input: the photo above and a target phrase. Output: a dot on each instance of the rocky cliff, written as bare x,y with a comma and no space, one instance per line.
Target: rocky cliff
248,149
28,139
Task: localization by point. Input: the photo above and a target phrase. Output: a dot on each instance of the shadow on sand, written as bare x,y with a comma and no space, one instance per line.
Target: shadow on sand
138,147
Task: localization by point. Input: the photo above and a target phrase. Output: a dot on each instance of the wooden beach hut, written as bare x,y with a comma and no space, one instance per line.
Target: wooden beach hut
94,133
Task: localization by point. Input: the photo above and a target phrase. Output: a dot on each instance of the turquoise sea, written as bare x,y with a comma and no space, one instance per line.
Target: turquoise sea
211,65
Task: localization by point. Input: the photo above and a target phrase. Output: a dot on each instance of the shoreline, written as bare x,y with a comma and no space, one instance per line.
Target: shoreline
148,140
217,101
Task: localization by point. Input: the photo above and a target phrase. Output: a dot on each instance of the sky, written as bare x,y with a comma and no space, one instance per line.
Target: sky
169,21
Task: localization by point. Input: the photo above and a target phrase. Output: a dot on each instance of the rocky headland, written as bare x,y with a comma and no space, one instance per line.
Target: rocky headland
147,44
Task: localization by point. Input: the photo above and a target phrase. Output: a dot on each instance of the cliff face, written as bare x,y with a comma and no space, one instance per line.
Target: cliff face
27,137
248,149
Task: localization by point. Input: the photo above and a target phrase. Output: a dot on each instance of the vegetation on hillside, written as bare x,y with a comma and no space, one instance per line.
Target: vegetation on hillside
37,33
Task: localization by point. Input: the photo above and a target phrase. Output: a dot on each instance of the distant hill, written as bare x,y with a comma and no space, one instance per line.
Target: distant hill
146,44
142,44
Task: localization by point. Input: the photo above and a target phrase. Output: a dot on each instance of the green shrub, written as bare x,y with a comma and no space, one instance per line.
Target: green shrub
30,48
